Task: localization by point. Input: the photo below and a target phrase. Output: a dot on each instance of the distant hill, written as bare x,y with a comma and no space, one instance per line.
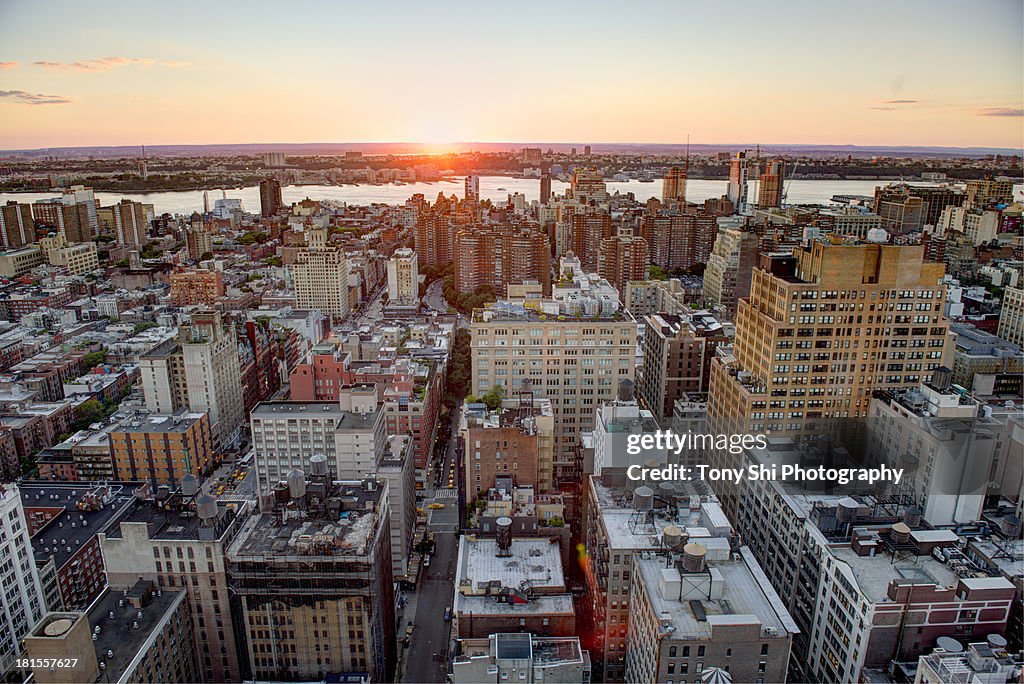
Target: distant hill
421,148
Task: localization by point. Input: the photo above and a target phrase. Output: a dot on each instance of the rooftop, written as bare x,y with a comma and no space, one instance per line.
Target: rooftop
80,511
159,423
873,574
532,571
119,635
745,598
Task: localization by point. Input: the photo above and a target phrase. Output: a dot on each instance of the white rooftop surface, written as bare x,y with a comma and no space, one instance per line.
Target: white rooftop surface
873,573
559,604
748,599
536,561
934,536
1012,566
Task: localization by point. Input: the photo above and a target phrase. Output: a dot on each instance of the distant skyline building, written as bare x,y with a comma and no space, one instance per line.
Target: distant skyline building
673,189
498,256
472,190
771,185
130,225
622,258
545,187
17,227
739,176
270,197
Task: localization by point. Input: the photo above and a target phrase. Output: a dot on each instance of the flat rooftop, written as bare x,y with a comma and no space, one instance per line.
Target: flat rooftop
117,634
534,566
177,522
160,423
82,510
747,599
872,574
268,410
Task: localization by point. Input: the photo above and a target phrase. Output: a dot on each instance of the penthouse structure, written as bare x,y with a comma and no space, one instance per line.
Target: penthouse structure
312,576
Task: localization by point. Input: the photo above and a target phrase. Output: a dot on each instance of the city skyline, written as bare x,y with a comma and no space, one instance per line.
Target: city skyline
364,74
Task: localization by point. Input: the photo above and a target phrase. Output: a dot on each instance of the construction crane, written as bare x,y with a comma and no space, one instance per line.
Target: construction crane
785,184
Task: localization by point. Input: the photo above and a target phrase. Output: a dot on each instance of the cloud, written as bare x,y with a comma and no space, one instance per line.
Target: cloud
8,65
899,101
1000,111
107,63
882,109
22,97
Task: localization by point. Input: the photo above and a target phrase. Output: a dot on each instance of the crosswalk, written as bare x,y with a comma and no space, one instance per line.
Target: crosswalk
446,493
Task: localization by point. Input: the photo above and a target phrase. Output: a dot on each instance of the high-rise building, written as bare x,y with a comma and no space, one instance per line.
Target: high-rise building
586,150
78,194
22,598
545,187
563,335
677,357
739,175
823,329
1011,316
472,188
200,371
622,258
162,449
403,278
321,276
318,605
673,189
588,230
588,186
908,208
982,193
270,197
727,275
198,239
70,219
273,159
677,240
177,540
501,255
435,234
17,228
130,225
772,184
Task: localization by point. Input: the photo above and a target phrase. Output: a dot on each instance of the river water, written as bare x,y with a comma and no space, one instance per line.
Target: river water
495,188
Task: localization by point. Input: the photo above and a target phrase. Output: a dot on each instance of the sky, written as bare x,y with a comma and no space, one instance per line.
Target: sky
914,72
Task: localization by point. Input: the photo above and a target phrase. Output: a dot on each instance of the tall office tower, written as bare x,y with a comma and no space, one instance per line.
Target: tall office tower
472,191
501,255
1011,316
907,208
587,186
162,449
677,358
22,598
435,234
177,540
563,335
772,184
273,159
545,187
70,219
17,228
623,258
78,194
321,276
198,238
403,278
679,241
727,275
588,230
586,150
320,605
515,440
673,189
130,225
270,197
739,175
823,329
